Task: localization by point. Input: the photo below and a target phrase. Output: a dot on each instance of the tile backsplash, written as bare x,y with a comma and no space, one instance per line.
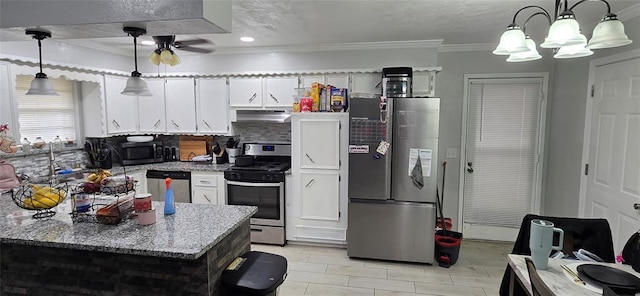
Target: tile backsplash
263,132
37,164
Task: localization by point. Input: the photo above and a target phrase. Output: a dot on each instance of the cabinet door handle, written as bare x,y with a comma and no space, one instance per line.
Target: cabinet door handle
205,123
205,181
378,85
273,97
157,123
253,97
175,124
207,198
309,157
310,182
115,123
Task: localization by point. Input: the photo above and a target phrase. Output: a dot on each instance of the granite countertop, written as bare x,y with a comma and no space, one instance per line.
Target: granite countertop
185,166
187,234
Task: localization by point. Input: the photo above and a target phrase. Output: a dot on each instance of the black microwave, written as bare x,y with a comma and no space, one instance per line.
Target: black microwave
132,153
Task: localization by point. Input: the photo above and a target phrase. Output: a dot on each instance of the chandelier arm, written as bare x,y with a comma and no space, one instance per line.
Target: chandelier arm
526,7
582,1
524,27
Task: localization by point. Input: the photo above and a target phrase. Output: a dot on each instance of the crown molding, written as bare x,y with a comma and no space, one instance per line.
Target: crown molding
466,47
629,13
334,47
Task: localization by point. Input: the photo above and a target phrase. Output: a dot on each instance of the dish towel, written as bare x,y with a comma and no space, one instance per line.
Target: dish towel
416,174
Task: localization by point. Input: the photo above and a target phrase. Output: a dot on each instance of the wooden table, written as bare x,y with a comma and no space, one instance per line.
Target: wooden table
556,278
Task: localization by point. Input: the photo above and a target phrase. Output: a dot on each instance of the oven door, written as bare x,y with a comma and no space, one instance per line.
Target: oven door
268,197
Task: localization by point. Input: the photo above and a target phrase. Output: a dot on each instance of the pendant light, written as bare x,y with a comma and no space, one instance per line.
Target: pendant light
136,86
40,85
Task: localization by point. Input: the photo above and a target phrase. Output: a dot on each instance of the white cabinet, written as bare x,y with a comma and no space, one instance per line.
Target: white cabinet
423,84
245,92
122,111
151,110
180,100
336,80
212,106
318,199
207,188
369,83
262,92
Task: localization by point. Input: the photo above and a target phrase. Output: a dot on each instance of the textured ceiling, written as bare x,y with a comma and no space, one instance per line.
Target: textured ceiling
293,23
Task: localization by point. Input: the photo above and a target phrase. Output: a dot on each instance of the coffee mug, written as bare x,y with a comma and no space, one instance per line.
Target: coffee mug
541,242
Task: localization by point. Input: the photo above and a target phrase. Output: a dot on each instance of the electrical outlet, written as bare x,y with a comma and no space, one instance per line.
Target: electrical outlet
452,153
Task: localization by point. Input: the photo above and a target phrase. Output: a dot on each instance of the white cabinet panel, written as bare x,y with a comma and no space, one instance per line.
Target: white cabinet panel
308,80
181,105
151,110
279,91
320,196
205,195
319,144
423,84
212,98
370,83
245,92
208,188
339,81
122,111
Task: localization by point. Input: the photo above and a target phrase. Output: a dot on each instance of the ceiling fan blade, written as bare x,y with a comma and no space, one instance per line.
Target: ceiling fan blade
196,49
181,43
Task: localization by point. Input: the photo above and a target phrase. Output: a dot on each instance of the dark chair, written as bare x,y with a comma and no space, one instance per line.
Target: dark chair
538,287
593,235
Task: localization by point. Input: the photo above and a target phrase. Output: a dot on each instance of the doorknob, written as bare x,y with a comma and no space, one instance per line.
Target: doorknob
469,167
636,206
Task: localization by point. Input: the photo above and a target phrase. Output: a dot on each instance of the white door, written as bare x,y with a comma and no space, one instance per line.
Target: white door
245,92
122,110
279,91
369,83
501,168
320,195
151,112
320,144
181,105
613,180
212,106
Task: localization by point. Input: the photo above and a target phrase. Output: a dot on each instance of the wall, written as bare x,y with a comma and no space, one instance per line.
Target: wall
449,87
567,119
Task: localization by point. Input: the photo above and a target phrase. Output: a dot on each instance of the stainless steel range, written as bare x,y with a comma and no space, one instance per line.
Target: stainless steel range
260,183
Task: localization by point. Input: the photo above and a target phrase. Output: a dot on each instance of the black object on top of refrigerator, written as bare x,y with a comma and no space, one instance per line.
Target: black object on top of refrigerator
393,148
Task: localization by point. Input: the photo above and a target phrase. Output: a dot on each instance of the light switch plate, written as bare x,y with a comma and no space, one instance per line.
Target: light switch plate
452,153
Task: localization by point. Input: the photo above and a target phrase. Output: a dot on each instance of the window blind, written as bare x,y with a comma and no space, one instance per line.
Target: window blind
46,116
501,145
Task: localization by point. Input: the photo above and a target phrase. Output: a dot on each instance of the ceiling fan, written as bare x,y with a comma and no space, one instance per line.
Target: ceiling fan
165,54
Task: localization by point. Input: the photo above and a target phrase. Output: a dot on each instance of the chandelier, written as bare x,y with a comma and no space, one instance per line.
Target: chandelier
564,34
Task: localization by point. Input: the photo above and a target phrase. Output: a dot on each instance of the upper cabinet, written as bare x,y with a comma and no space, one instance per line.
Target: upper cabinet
212,106
423,84
122,111
369,83
181,105
262,92
151,110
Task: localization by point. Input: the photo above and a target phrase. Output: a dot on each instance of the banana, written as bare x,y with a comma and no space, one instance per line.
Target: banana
106,173
92,177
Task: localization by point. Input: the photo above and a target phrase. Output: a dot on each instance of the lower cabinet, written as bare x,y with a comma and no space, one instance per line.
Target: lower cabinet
208,188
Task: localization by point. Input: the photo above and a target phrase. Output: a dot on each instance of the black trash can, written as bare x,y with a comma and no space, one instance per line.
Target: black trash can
254,273
447,247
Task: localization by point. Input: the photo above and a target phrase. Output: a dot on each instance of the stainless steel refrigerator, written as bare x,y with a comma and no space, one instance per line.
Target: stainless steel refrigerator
390,216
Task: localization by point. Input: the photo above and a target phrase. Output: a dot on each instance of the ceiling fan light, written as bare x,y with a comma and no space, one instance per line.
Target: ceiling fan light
526,56
563,32
511,41
165,56
175,60
608,33
41,86
136,86
154,58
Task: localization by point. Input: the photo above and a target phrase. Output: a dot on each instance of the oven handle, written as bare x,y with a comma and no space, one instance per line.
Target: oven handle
249,184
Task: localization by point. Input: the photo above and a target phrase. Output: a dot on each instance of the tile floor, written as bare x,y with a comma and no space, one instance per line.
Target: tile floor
315,270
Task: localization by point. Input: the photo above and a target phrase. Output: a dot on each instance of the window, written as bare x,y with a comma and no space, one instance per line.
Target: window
47,116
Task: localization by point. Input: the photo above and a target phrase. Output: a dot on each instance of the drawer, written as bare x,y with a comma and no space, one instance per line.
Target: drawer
204,180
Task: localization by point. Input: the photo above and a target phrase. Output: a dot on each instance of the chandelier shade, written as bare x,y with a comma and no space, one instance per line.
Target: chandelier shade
136,86
608,33
511,41
530,55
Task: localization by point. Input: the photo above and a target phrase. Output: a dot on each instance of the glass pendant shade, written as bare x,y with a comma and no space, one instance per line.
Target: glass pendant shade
526,56
136,86
607,34
175,60
154,58
574,51
511,41
563,32
165,56
41,86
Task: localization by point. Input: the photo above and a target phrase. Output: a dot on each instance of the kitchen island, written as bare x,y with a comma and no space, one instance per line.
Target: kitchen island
181,254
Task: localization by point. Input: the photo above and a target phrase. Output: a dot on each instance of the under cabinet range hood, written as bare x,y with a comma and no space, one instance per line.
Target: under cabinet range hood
277,116
106,18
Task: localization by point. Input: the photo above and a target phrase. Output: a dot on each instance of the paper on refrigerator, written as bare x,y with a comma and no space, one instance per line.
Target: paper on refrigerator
425,159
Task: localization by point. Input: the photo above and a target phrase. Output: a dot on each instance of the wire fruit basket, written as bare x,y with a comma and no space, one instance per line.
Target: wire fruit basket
40,197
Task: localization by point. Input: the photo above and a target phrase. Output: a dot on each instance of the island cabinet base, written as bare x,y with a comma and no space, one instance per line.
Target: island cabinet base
37,270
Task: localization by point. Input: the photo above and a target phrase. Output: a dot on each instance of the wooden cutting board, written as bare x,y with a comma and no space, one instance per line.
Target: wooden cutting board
191,149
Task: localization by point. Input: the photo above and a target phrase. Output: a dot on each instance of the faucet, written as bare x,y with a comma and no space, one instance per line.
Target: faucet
52,168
